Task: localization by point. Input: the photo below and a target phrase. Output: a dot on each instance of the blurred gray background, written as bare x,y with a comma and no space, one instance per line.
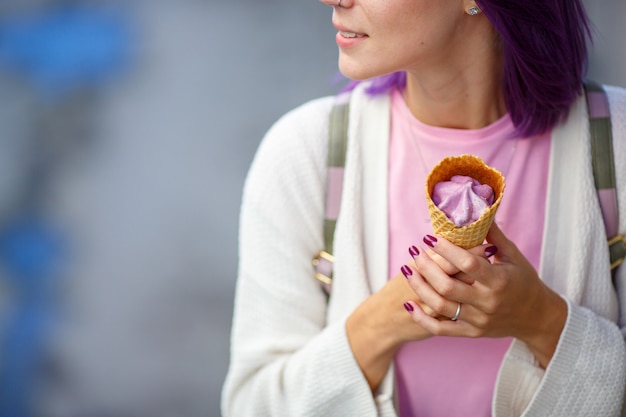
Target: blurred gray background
148,195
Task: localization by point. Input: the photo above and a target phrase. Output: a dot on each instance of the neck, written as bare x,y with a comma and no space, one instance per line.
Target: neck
465,93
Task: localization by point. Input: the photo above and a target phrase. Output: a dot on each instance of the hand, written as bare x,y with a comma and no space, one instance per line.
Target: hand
484,251
506,298
380,325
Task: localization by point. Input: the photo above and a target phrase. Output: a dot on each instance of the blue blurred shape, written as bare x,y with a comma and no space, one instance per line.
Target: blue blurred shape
21,347
65,48
31,251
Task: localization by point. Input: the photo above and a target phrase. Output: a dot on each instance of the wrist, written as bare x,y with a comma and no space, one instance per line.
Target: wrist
373,343
372,333
543,338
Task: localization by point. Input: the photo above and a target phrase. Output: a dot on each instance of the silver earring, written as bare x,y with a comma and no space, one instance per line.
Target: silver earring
338,3
472,11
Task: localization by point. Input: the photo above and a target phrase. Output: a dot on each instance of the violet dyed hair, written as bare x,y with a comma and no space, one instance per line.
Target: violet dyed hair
545,59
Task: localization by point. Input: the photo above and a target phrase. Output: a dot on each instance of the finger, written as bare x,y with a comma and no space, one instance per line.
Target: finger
446,287
457,256
476,320
489,252
431,301
408,274
506,248
458,328
484,251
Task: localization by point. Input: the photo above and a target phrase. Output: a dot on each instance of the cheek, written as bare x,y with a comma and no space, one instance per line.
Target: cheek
408,28
418,22
408,40
397,15
419,38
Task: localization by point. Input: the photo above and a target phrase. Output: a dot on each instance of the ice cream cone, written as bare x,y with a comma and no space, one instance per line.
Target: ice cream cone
473,234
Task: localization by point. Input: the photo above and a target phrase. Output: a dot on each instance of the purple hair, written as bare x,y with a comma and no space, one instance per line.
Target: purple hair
545,58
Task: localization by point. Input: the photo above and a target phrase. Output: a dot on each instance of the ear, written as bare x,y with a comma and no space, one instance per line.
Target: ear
471,8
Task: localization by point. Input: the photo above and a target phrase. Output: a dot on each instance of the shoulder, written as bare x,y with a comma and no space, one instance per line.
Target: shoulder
291,157
303,123
301,135
617,100
311,118
615,91
617,104
296,139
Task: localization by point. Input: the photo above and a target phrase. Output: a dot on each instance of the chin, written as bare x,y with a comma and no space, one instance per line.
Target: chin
357,75
358,71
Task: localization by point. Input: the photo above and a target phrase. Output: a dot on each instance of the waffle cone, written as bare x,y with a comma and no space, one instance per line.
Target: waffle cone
473,234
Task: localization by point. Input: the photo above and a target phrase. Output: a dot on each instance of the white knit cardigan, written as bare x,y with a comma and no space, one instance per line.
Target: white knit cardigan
289,351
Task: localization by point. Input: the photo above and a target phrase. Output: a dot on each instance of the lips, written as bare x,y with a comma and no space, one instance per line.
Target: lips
351,34
347,32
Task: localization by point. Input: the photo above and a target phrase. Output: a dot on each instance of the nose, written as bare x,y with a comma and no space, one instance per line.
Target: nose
333,3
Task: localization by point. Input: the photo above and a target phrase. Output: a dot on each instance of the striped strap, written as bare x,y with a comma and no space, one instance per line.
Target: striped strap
603,168
337,148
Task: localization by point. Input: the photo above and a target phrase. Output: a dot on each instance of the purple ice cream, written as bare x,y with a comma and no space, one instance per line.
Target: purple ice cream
462,199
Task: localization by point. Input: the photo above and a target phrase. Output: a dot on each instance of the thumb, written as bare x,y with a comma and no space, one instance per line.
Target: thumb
496,237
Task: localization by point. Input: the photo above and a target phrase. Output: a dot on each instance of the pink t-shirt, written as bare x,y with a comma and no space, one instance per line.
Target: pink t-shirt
444,376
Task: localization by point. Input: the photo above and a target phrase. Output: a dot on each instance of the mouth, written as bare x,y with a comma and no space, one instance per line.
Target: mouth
351,34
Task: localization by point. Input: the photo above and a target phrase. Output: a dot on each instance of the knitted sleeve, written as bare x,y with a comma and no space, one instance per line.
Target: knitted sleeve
587,375
285,359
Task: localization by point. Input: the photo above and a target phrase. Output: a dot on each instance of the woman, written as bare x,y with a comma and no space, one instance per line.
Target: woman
538,326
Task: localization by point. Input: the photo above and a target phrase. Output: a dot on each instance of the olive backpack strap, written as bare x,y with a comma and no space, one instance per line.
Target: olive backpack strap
600,129
336,161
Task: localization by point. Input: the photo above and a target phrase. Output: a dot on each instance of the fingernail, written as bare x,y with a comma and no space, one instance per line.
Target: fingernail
430,240
490,251
406,271
414,251
408,307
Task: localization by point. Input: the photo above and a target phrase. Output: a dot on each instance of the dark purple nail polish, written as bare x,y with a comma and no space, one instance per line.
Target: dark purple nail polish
414,251
408,307
490,251
430,240
406,271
